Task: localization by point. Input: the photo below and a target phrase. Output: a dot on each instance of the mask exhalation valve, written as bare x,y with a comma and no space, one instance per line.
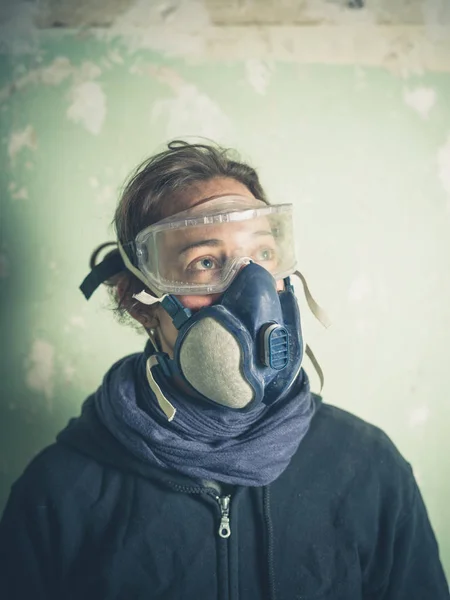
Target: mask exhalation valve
274,346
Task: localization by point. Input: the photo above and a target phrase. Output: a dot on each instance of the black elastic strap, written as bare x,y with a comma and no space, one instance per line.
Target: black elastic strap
110,266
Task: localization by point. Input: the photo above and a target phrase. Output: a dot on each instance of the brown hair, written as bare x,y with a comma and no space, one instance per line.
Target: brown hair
153,187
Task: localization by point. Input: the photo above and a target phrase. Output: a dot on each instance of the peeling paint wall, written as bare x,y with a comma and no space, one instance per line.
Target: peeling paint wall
346,116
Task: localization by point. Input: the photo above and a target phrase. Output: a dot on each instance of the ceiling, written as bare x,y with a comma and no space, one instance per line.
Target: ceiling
226,13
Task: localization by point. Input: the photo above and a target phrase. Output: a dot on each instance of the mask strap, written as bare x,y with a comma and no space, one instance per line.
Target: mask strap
145,298
315,363
316,310
321,316
168,409
176,310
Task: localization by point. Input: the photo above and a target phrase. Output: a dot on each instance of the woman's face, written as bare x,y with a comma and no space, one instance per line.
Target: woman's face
203,256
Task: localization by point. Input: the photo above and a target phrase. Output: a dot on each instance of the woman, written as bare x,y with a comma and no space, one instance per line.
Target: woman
204,467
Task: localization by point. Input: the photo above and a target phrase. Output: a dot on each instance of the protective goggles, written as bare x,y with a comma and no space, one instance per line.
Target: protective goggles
200,250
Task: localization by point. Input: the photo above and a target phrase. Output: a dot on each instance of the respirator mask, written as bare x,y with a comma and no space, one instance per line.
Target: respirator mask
247,347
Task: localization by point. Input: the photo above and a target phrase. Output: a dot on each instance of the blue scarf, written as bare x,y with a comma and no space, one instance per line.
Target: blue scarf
203,441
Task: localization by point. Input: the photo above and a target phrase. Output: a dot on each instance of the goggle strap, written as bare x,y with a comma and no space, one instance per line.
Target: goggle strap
143,296
110,266
129,265
316,310
315,363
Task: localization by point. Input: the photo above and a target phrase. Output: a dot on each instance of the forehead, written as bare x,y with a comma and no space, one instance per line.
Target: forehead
202,191
235,233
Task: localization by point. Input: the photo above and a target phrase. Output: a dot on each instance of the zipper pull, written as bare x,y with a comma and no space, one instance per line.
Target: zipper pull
224,503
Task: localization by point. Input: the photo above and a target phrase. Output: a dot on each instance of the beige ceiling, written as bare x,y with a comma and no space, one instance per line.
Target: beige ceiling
103,13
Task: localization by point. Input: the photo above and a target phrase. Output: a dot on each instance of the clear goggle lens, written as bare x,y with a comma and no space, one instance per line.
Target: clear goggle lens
200,250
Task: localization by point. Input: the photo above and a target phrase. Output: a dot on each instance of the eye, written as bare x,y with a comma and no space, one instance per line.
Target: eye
207,263
265,254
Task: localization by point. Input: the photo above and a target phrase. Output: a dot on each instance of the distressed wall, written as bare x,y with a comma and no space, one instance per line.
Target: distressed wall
345,114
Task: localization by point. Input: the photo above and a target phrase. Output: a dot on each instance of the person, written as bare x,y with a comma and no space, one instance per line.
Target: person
204,467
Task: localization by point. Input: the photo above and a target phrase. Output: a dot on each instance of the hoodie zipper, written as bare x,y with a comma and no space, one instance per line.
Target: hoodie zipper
222,501
224,504
224,531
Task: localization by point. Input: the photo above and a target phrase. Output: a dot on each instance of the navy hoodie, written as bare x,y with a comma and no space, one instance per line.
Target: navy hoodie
344,521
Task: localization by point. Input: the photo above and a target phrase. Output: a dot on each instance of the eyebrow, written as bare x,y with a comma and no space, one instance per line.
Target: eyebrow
211,242
214,242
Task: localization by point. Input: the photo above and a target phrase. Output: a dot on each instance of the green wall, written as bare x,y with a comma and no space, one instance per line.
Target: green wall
363,152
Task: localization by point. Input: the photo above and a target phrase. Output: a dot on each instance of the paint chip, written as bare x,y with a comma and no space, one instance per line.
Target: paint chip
259,74
69,372
443,160
87,71
88,106
21,194
421,100
115,57
59,70
359,289
192,112
77,321
23,138
40,371
419,416
56,72
105,195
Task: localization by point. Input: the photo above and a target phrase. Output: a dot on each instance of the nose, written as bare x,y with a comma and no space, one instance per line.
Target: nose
195,303
244,261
